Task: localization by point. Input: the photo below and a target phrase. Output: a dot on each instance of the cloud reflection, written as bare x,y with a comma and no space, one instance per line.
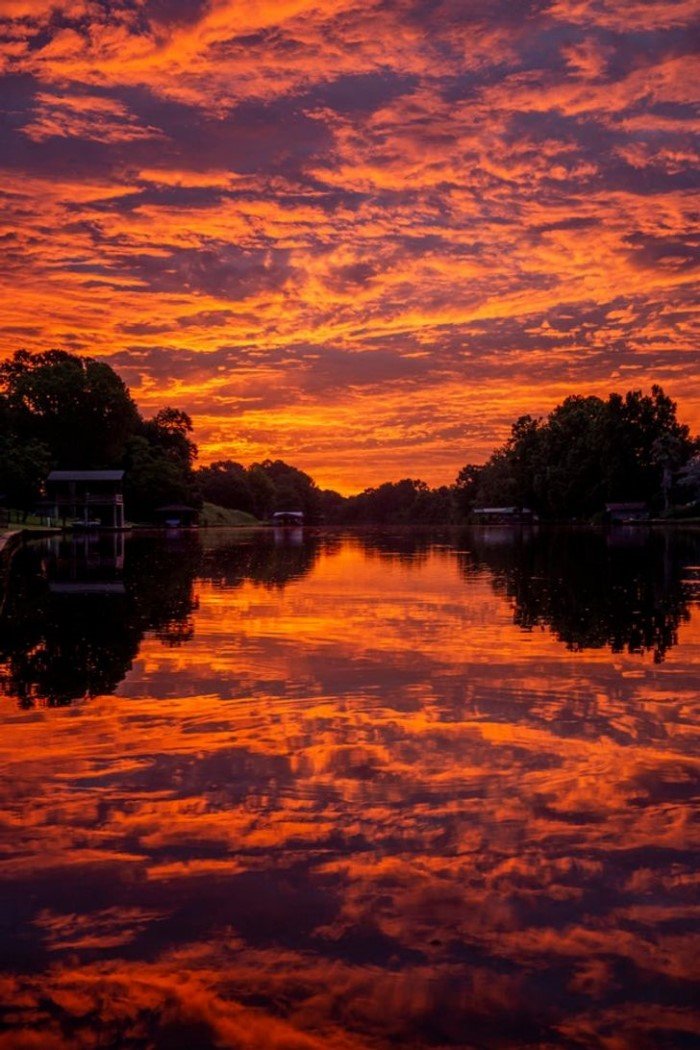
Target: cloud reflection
364,809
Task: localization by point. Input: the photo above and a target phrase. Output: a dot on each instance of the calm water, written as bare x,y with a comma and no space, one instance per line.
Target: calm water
348,792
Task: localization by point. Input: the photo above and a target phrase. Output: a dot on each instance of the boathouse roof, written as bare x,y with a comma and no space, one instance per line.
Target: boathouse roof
86,475
498,510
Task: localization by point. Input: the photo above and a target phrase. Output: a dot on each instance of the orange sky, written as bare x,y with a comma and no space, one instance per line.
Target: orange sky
361,235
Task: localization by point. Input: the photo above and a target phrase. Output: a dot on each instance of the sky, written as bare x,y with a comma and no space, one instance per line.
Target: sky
359,235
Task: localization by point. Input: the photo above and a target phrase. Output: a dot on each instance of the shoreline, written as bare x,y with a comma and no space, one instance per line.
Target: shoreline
10,541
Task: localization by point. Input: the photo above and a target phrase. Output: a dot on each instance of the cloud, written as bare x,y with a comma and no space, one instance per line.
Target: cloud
84,117
394,186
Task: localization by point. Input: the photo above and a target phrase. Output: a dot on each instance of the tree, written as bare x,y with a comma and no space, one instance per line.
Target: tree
154,479
467,487
23,469
585,453
77,407
292,488
262,491
567,463
170,430
406,502
59,410
226,484
689,479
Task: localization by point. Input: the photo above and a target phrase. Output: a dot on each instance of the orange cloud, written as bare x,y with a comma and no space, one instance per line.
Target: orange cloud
292,218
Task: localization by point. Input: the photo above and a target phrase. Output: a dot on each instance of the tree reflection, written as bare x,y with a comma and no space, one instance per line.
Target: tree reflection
624,589
271,557
78,608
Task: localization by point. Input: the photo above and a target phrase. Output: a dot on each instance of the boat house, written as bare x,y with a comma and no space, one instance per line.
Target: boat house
503,515
176,516
295,518
85,498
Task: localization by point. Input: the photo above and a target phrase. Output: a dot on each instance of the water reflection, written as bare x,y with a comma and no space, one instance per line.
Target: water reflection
385,794
627,589
76,612
78,608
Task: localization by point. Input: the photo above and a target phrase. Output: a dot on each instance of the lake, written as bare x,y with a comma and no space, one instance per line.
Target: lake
318,789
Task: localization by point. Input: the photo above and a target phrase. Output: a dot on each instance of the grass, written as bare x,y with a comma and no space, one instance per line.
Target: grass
211,516
16,519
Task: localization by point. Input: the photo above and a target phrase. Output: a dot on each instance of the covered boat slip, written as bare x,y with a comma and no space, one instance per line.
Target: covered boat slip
288,518
85,498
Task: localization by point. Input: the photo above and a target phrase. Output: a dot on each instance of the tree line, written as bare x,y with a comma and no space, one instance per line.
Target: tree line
587,452
61,410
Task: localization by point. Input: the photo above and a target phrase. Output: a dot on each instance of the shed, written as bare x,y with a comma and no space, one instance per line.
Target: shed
503,515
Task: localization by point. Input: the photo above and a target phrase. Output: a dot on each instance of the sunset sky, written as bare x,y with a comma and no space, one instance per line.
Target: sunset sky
359,235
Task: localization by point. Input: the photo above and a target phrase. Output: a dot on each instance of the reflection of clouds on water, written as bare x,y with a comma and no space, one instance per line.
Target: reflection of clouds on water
78,608
363,810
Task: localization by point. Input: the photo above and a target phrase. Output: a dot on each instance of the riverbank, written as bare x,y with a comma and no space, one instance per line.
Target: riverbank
9,536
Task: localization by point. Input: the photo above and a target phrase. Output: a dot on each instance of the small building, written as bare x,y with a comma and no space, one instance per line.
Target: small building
176,516
503,515
85,498
284,518
622,513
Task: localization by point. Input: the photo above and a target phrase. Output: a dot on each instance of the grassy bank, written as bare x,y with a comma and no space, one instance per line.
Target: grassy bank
212,516
11,518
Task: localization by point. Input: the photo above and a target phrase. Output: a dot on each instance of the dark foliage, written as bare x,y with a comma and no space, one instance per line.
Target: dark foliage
407,502
585,453
59,410
262,488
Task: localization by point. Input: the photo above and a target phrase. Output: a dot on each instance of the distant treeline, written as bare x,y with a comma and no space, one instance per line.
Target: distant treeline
60,410
586,453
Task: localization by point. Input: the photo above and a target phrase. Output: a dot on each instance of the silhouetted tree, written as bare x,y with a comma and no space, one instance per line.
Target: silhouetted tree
689,480
467,487
226,484
23,468
159,464
406,502
78,408
586,452
61,410
293,489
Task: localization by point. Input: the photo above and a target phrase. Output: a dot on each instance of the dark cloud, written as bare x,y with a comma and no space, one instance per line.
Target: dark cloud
422,213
